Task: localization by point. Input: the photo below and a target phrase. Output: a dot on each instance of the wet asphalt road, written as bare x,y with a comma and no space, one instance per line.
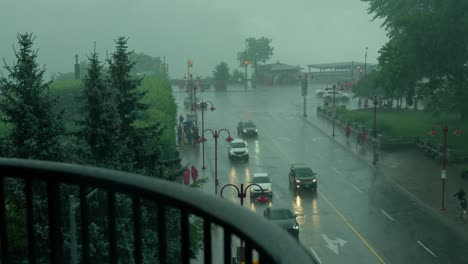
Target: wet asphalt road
355,216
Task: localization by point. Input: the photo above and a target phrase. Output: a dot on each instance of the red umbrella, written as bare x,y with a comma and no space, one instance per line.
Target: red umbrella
194,174
187,176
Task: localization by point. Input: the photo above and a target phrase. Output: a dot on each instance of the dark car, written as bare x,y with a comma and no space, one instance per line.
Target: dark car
302,176
247,128
284,218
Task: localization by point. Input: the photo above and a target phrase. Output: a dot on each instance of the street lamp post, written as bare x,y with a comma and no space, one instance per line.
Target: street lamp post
202,105
443,173
246,63
365,63
242,193
216,136
375,131
334,108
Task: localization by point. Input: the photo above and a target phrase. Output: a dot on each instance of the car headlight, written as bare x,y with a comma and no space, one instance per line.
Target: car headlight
246,151
231,151
256,130
245,131
296,226
298,181
314,180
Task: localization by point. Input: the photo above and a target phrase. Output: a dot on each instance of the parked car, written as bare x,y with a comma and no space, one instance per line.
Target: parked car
263,179
301,176
247,128
284,218
339,96
238,150
320,92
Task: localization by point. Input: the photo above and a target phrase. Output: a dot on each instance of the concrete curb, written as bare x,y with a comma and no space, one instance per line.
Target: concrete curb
460,231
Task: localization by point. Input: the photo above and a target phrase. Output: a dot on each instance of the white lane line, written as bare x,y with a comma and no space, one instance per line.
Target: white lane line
387,215
337,172
315,255
428,250
357,189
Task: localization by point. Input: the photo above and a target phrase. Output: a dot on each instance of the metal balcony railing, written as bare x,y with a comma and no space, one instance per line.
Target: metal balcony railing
25,183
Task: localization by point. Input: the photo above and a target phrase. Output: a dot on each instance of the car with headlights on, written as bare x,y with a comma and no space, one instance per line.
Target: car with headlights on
284,218
264,181
247,128
238,149
302,176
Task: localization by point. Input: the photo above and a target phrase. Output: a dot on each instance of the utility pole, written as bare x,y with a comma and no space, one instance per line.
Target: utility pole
304,92
365,63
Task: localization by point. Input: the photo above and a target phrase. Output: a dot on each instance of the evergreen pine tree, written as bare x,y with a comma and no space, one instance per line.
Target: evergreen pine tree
142,142
128,96
101,124
36,129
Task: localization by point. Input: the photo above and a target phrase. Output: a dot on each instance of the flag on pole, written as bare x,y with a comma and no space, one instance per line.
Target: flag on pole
190,63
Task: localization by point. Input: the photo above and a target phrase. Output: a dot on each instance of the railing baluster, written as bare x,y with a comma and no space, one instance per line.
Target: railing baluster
227,246
55,234
162,233
30,221
264,257
248,252
207,241
3,224
137,249
185,240
84,225
112,231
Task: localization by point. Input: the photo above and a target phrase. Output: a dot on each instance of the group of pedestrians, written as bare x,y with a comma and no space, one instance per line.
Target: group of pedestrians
361,137
187,133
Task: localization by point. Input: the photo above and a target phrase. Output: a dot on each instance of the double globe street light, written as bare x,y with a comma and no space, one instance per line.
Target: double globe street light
216,136
204,104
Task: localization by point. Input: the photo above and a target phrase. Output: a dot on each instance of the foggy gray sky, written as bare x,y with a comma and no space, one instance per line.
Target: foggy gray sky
207,31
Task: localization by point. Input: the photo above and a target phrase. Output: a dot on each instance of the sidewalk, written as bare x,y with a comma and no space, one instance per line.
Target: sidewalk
410,170
193,156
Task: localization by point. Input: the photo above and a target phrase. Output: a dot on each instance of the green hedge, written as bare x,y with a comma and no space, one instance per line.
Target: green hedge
410,124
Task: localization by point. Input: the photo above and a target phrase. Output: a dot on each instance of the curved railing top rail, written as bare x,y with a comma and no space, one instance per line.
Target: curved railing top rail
243,223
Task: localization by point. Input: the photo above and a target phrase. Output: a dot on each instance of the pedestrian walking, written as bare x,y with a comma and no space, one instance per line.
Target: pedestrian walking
347,131
194,173
358,141
363,136
181,119
187,176
359,103
460,194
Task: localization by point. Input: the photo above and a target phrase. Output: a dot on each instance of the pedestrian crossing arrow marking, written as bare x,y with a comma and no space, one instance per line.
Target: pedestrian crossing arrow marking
334,244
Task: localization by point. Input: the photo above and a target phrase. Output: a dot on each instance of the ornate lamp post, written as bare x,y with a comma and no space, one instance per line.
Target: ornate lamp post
242,193
203,104
374,162
216,136
334,108
443,173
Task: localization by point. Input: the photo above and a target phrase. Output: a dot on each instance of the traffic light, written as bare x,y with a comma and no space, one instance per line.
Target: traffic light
246,62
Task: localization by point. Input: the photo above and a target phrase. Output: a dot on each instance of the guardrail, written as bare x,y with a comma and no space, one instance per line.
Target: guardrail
55,181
